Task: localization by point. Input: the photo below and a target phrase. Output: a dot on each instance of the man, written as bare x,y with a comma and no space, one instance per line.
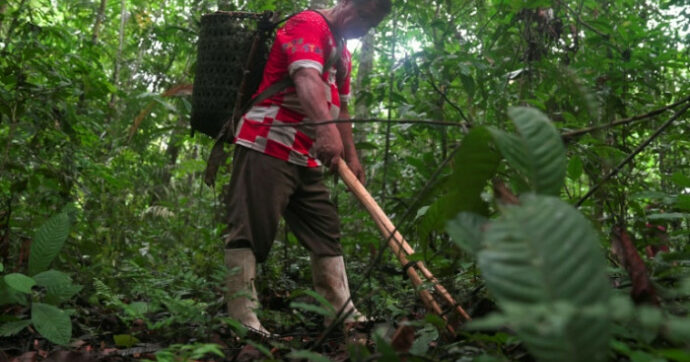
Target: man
277,170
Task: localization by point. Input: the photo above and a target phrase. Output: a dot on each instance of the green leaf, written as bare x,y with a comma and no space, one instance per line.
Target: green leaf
10,295
474,164
236,326
51,277
125,340
542,261
683,202
48,241
546,160
424,337
668,216
51,322
465,230
58,285
2,268
513,149
11,328
313,308
307,355
20,282
680,179
575,168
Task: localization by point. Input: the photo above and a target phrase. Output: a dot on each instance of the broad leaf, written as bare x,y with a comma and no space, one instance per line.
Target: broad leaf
11,328
475,163
545,254
58,285
680,179
20,282
683,202
51,277
307,355
10,295
48,241
575,168
51,322
545,161
465,230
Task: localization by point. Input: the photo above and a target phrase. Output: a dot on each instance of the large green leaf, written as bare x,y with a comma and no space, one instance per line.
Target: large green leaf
48,241
11,328
538,153
544,256
466,230
51,322
20,282
475,163
58,285
10,295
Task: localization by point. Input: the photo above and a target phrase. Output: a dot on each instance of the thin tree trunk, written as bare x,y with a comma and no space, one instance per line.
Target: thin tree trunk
118,58
366,65
390,107
99,20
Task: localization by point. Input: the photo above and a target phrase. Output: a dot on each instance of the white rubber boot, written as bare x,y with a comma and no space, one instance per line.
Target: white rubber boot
330,281
241,294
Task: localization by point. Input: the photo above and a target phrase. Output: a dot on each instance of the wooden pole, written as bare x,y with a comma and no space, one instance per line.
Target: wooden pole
400,247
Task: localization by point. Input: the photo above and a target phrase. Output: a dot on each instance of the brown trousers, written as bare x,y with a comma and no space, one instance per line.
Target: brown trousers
262,189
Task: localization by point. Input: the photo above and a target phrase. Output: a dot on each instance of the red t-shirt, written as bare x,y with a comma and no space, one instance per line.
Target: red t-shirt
304,42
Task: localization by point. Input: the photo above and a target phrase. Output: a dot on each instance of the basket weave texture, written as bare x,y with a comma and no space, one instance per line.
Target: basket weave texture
225,41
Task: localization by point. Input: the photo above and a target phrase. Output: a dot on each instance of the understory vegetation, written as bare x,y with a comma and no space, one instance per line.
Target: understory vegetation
535,154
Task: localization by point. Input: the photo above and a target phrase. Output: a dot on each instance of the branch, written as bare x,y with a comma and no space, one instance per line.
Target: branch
503,193
445,98
630,157
572,134
371,120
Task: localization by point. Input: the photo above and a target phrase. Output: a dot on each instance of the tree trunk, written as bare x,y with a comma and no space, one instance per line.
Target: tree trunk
118,58
99,20
366,65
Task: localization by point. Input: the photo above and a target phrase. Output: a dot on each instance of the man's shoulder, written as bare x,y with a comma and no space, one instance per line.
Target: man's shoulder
309,15
308,19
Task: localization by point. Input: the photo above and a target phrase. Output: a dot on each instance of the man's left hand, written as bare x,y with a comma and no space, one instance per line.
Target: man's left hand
356,167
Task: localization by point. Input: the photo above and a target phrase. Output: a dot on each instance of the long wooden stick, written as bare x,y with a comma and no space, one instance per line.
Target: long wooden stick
400,247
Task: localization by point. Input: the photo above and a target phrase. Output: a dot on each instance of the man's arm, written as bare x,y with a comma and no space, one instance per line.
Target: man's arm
350,151
311,93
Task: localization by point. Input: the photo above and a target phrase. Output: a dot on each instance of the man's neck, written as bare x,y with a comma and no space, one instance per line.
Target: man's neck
332,16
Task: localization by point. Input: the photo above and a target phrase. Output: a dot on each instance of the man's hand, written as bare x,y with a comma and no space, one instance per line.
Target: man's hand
353,161
328,146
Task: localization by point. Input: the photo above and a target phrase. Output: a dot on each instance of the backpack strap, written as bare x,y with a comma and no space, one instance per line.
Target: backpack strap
287,82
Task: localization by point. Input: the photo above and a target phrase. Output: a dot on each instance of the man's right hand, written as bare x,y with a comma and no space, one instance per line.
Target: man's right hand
328,146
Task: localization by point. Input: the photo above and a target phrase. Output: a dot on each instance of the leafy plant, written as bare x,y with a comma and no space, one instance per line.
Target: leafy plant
50,321
541,259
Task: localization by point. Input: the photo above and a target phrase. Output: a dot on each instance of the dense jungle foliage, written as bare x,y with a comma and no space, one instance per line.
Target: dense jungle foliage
551,196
